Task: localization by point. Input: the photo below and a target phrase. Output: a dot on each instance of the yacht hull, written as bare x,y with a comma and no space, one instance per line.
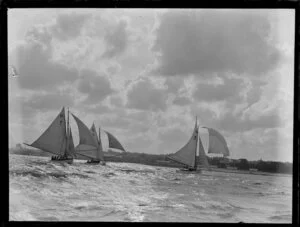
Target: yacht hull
62,160
94,162
187,171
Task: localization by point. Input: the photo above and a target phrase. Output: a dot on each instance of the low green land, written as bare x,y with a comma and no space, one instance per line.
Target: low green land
160,160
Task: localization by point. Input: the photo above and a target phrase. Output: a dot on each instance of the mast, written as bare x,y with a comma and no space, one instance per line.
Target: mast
99,136
67,135
195,165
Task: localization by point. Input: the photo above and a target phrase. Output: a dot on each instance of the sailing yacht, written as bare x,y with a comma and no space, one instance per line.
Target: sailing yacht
99,154
89,146
187,155
57,139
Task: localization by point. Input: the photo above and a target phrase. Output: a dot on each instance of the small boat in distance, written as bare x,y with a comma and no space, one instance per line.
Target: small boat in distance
187,155
99,155
57,139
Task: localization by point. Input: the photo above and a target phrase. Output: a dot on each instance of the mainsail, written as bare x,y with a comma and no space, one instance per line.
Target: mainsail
99,153
53,140
217,143
187,154
99,141
94,133
71,148
202,156
88,145
113,142
85,135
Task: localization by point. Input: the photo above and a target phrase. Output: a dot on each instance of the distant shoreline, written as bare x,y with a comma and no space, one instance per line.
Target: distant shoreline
212,169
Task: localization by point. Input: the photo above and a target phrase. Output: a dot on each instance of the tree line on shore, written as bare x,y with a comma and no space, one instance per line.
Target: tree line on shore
160,160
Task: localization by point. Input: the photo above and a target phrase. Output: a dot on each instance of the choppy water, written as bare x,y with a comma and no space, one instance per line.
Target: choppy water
41,190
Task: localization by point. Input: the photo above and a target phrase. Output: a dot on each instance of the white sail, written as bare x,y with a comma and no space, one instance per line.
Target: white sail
217,143
85,135
187,154
86,151
99,153
99,141
53,140
202,156
113,142
71,148
94,133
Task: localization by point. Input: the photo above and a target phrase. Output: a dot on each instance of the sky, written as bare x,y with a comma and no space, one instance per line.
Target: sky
145,74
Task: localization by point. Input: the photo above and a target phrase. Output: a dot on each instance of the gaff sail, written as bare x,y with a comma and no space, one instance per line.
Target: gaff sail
53,140
94,133
187,154
71,147
99,141
87,143
202,156
99,153
85,135
217,143
113,142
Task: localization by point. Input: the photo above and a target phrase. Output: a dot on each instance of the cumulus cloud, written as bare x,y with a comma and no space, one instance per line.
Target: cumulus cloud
96,87
97,109
68,26
33,61
114,121
172,139
52,101
140,143
116,39
144,95
237,123
229,90
174,83
181,101
116,101
212,41
39,34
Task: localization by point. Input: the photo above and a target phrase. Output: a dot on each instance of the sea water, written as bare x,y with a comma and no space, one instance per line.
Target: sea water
41,190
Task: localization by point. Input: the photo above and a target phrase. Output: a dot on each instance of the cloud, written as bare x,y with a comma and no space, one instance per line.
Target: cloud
140,143
113,69
174,83
116,101
113,121
33,61
144,95
39,34
230,89
172,139
116,39
269,144
233,123
97,109
95,86
46,102
214,41
68,26
181,101
230,122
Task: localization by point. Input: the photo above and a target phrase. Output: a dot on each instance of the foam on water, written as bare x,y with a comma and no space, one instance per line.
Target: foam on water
48,191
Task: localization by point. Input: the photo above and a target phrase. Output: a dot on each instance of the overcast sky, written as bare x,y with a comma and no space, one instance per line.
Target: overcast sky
144,74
